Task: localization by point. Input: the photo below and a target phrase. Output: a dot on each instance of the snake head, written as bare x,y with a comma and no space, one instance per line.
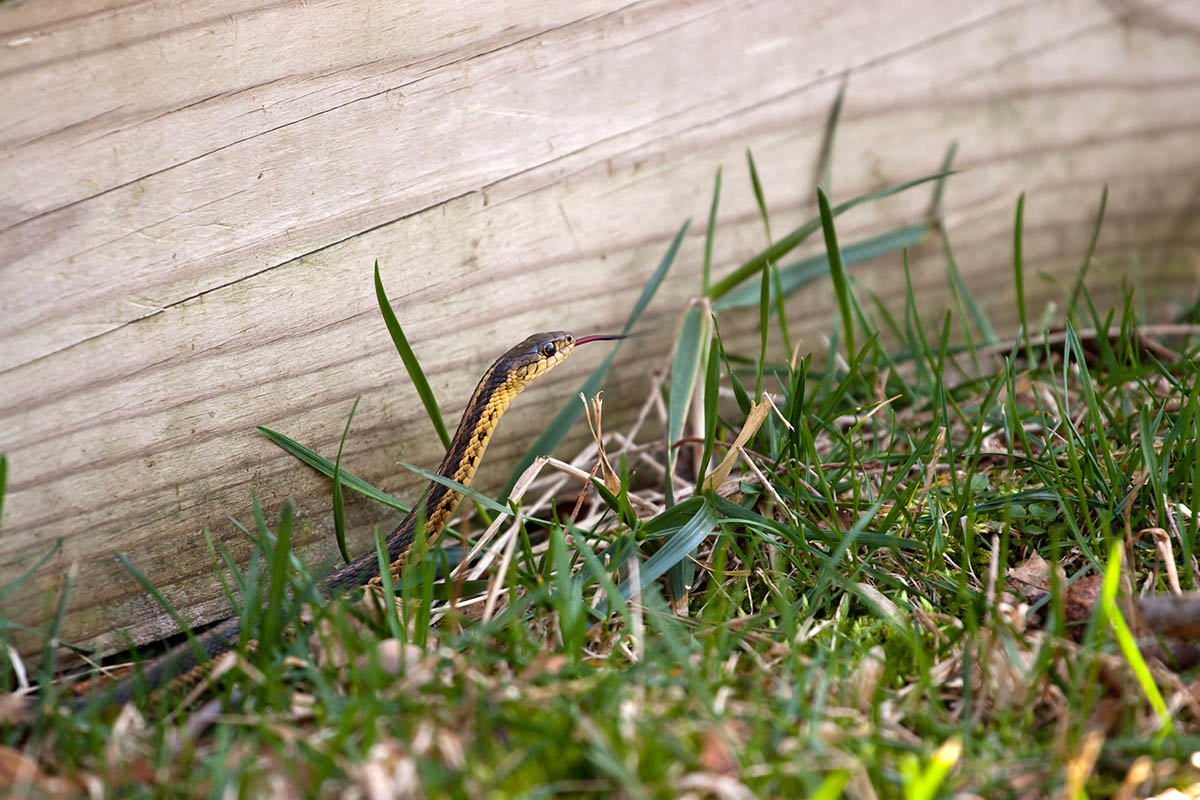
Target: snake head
536,355
542,352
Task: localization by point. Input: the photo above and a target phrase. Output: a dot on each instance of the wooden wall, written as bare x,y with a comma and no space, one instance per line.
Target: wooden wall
192,196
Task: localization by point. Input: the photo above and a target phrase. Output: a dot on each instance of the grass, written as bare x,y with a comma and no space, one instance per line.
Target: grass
826,595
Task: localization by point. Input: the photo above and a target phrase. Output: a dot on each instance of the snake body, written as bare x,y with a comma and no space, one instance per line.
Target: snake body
504,380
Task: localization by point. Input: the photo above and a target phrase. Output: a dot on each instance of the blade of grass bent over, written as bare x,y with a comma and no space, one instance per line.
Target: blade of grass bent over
327,467
684,538
801,273
789,242
686,525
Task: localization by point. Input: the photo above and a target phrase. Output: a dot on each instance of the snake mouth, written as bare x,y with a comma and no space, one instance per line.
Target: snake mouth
600,337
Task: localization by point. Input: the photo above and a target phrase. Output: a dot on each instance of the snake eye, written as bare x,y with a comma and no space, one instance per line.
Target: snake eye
548,349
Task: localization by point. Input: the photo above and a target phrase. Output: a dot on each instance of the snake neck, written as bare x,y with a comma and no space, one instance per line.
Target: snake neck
491,398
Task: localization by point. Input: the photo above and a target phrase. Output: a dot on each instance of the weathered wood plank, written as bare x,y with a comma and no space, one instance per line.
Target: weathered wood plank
194,196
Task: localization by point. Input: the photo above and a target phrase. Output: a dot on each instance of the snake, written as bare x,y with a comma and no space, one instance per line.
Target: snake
521,365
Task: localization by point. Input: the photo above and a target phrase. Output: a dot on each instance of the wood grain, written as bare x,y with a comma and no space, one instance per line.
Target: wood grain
193,197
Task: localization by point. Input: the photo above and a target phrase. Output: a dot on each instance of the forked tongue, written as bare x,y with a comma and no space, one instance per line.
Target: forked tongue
600,337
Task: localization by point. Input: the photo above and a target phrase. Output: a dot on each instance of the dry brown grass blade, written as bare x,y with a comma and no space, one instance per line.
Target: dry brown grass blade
593,413
754,419
1080,766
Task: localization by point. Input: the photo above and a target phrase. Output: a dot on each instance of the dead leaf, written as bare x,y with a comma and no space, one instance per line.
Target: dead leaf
1079,601
716,755
1031,577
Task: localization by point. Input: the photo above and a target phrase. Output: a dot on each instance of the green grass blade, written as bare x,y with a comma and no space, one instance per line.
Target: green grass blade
939,188
1084,265
339,508
685,526
769,283
823,172
567,598
222,561
12,586
1073,351
923,784
572,410
618,503
465,491
49,652
780,309
832,787
795,276
683,540
764,314
277,590
712,388
165,604
837,271
793,239
410,361
711,232
390,611
593,568
1125,640
759,198
686,366
327,467
960,287
1019,277
685,371
261,530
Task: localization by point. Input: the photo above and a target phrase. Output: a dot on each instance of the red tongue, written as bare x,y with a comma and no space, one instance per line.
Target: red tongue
599,337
